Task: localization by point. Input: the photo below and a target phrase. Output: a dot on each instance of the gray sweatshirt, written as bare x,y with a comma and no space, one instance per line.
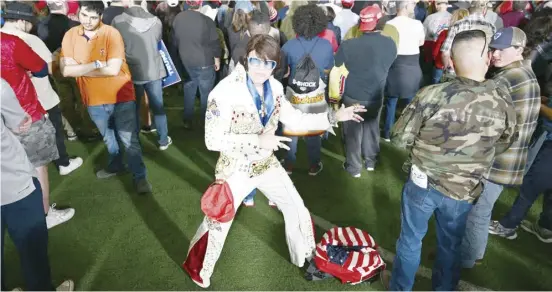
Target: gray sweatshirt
141,32
16,171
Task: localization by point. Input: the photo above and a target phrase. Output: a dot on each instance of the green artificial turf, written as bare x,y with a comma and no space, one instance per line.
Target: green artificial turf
119,240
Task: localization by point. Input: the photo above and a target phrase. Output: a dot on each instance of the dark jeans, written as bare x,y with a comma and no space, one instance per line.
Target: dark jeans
202,78
26,226
119,121
417,207
535,182
154,89
54,114
390,108
361,140
314,150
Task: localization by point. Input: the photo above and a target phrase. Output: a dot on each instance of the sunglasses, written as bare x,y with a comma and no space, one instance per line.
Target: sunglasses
255,62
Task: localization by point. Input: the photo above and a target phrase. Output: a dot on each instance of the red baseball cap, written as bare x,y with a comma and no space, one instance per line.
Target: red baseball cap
369,17
194,3
347,3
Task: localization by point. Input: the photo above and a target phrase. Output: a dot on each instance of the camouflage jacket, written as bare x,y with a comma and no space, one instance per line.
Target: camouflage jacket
453,130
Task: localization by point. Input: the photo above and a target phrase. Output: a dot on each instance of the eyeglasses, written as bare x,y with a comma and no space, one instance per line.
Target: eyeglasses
255,62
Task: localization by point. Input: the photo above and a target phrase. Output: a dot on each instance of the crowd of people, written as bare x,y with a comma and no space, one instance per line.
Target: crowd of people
473,77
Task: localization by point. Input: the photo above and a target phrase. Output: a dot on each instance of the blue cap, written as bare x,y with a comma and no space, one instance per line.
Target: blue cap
244,5
508,37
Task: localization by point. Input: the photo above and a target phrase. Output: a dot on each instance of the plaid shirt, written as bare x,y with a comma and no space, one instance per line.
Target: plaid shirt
508,168
471,22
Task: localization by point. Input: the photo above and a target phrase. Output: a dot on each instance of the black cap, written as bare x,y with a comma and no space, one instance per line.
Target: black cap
18,10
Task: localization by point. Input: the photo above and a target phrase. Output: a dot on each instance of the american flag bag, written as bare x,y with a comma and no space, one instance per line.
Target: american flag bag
349,254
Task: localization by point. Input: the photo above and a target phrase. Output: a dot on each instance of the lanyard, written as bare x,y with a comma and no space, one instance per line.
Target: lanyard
265,103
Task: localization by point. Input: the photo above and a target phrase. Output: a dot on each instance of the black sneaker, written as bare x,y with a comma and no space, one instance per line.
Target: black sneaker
542,234
188,125
316,169
148,130
143,186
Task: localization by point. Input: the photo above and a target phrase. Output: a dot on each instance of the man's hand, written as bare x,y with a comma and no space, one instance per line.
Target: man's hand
349,113
25,125
272,142
217,64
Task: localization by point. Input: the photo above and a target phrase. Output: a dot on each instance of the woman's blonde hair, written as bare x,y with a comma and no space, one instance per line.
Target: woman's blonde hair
458,14
240,20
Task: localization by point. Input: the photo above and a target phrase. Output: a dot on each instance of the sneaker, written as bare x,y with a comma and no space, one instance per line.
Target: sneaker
72,137
345,168
249,202
165,147
143,186
495,228
386,139
104,174
370,168
67,285
542,234
91,138
56,217
316,169
74,163
188,125
148,130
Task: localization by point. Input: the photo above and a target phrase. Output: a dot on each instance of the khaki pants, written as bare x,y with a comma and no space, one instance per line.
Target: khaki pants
208,241
72,107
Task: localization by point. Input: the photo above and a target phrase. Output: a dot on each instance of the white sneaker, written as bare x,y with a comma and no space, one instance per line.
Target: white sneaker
165,147
369,168
67,285
249,203
72,137
386,140
56,217
74,163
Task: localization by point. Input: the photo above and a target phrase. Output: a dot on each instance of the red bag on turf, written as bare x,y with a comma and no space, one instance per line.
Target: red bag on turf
217,202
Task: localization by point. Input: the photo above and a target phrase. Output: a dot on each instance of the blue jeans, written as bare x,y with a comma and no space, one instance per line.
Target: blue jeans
474,243
154,89
436,75
26,226
314,149
417,206
390,108
537,181
120,118
202,78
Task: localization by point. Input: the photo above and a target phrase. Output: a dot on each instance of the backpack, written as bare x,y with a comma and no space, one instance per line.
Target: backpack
306,77
349,254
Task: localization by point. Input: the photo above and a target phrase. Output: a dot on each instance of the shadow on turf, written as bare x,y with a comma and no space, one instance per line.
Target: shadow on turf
159,223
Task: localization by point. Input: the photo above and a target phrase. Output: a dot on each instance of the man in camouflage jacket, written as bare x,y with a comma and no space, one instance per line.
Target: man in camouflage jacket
452,130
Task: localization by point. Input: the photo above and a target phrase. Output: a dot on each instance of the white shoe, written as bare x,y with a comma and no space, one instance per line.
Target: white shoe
369,168
72,137
56,217
74,163
67,285
165,147
386,140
